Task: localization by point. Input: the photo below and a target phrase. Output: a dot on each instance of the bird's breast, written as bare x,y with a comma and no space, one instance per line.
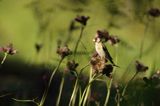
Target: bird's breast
100,50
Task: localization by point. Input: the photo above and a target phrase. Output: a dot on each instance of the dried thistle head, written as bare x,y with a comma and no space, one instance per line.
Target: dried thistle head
114,40
8,49
103,35
97,63
154,79
82,19
108,70
141,67
63,51
156,75
38,47
154,12
72,65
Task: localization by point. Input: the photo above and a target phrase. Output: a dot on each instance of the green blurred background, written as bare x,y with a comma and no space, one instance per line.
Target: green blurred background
27,22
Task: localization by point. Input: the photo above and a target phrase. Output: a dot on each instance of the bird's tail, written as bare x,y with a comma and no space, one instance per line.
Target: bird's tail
116,65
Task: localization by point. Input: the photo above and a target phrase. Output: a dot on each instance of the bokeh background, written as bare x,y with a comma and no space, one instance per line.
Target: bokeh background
25,23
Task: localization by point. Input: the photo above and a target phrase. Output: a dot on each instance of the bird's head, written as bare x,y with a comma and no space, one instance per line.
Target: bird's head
96,39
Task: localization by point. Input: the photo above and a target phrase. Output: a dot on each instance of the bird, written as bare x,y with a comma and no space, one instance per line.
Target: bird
102,50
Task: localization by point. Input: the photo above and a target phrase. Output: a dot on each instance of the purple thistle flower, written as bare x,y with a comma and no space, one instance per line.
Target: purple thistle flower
8,49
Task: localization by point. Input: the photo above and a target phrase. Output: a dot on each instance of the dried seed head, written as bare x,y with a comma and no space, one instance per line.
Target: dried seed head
82,19
38,47
147,80
72,65
141,67
8,49
97,63
103,35
114,40
63,51
154,12
154,80
156,75
107,70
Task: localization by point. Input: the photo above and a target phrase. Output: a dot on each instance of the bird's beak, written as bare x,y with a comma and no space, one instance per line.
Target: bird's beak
94,40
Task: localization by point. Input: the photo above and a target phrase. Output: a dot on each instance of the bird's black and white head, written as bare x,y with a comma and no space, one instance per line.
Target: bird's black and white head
96,40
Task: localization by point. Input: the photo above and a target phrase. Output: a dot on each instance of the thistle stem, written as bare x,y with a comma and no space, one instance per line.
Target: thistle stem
110,82
88,88
48,86
72,99
73,93
1,96
108,92
26,101
94,77
60,92
78,41
4,58
143,40
125,88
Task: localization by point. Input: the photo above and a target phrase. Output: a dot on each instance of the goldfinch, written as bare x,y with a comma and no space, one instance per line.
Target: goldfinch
102,50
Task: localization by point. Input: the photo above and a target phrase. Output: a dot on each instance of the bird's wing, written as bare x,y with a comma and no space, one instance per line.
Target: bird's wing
108,56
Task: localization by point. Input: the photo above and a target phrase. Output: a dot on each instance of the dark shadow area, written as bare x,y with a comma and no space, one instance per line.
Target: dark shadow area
21,81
